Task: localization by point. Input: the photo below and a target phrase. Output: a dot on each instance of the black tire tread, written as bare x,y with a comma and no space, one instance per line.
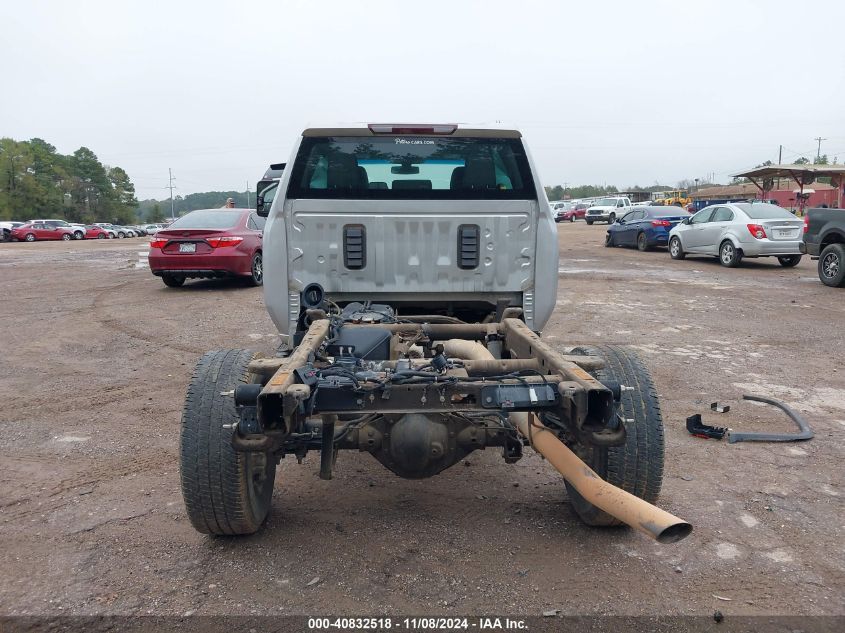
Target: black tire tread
681,253
737,260
173,281
839,280
789,261
637,465
251,279
213,474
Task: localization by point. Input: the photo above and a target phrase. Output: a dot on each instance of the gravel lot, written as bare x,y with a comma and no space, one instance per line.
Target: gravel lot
97,353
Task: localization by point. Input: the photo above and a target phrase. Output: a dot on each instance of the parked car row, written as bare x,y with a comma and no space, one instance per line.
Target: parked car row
43,230
732,232
134,230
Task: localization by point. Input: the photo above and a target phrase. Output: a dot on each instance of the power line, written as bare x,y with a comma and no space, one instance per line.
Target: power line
819,151
172,212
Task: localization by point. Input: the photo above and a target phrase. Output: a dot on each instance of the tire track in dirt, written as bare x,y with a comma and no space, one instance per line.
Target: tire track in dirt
74,404
95,472
103,318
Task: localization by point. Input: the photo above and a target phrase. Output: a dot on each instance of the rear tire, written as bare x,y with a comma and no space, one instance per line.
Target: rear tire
256,277
78,235
589,222
101,236
611,219
729,255
789,262
642,242
226,493
572,218
676,249
29,237
67,237
608,240
832,265
637,465
172,281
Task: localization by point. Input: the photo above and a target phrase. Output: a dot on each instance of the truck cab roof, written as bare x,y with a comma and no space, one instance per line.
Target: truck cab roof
411,129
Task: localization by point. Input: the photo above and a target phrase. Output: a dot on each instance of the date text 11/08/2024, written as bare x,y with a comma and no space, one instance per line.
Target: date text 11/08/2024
417,624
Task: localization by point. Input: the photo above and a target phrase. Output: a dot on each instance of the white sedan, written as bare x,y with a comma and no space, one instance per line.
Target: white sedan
732,231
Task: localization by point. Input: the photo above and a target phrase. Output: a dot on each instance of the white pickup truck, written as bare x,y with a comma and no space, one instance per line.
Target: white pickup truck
608,209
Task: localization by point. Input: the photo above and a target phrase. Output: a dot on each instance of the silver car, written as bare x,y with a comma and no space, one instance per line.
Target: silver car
736,230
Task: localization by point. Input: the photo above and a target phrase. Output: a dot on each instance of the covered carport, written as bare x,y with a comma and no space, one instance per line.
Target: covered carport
803,175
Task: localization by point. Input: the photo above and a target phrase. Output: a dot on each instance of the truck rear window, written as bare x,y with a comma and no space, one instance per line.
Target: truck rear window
411,167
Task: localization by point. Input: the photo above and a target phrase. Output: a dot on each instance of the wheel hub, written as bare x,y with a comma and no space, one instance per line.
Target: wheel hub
830,265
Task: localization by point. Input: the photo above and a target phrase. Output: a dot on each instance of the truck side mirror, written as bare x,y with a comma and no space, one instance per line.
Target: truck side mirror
259,207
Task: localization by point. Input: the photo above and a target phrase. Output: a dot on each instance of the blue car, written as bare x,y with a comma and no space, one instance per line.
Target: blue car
644,227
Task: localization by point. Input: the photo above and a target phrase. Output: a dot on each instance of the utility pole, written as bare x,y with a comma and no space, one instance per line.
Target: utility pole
819,152
172,214
780,155
247,194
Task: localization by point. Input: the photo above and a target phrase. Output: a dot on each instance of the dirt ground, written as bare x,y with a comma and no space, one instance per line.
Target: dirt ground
95,356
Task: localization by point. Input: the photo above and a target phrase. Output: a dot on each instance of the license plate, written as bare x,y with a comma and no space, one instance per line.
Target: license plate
782,233
187,247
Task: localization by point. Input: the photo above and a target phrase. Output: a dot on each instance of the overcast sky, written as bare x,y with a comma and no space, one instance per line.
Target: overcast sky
605,92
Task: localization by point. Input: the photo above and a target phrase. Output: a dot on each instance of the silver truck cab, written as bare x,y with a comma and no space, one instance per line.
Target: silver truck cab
439,220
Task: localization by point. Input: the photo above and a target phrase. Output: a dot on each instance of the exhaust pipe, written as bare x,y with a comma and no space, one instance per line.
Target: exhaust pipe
630,509
467,350
640,515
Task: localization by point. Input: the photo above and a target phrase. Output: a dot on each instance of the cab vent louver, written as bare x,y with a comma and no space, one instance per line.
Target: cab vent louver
468,249
354,246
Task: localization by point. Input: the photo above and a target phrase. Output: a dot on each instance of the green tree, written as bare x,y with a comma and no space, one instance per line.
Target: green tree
191,202
554,193
122,199
156,214
820,160
37,181
802,161
15,158
90,188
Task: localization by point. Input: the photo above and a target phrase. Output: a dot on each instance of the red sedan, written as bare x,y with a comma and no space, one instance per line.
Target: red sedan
93,232
209,243
32,231
577,212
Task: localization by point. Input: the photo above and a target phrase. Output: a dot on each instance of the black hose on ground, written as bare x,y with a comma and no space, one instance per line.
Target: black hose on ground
805,433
